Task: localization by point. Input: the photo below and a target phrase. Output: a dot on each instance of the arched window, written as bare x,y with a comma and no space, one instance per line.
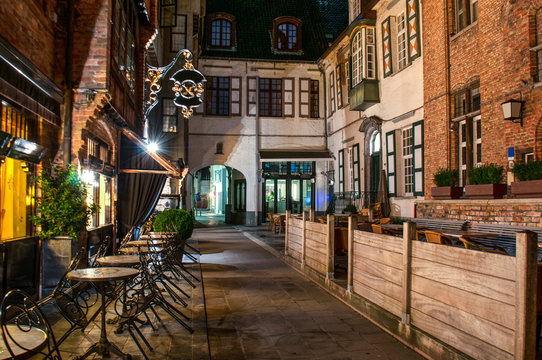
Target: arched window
221,33
538,45
357,68
374,143
287,34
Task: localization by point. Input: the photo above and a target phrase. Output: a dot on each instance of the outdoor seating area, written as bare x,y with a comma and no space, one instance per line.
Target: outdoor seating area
116,302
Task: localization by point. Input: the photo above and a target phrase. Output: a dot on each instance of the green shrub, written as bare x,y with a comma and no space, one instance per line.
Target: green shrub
62,208
487,174
350,208
528,171
446,177
175,220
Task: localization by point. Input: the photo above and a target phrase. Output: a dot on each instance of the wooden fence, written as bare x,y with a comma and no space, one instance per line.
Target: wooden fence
482,304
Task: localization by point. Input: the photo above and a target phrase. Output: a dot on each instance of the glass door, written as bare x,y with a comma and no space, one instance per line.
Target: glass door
296,196
306,195
270,195
281,196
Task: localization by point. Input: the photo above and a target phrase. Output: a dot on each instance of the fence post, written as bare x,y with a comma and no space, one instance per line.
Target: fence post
330,246
287,225
526,292
409,235
303,238
351,221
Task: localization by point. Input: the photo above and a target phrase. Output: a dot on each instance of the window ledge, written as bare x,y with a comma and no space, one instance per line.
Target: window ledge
464,30
401,70
466,116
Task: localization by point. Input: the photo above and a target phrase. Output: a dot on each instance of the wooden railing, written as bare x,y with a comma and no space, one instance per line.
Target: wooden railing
482,304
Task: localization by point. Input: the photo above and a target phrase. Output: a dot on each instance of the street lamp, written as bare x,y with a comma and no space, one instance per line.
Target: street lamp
513,110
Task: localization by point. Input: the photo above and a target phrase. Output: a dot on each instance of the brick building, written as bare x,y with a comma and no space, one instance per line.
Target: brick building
477,56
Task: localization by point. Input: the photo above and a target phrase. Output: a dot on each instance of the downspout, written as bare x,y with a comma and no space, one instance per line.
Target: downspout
448,85
68,93
258,175
322,71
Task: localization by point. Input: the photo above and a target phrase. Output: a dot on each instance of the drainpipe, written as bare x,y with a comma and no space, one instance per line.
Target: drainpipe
322,71
448,85
68,93
258,175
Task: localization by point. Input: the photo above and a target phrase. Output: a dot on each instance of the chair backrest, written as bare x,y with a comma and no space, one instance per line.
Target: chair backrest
377,210
436,238
270,218
25,329
471,244
377,229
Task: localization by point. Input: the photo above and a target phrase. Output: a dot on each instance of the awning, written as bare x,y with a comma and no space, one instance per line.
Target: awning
294,155
169,169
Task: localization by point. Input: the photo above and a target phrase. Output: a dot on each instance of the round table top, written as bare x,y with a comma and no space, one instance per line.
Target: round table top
140,249
33,339
102,274
118,260
144,242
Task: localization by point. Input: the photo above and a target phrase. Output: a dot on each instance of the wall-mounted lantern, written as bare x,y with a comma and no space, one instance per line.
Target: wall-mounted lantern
513,110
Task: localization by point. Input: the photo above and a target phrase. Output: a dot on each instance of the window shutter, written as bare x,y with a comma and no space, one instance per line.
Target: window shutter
339,87
390,151
235,96
356,168
413,18
304,97
417,130
288,97
252,101
386,47
341,171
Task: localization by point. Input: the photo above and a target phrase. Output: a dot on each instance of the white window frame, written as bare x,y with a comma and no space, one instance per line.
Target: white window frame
357,59
356,8
402,53
407,135
332,92
370,53
473,11
350,170
477,141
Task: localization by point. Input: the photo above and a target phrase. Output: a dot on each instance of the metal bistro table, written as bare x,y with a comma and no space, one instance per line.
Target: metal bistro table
119,260
99,276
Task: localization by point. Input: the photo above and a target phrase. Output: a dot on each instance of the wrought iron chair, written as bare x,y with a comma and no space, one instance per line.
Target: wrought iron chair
102,251
25,329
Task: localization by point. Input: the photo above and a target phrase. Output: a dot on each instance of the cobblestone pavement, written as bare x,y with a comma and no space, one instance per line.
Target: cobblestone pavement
259,308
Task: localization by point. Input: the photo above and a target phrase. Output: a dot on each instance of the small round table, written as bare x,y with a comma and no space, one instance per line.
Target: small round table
99,276
140,249
144,242
119,260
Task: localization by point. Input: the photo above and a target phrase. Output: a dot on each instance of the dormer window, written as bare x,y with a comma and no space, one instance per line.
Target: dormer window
287,34
221,31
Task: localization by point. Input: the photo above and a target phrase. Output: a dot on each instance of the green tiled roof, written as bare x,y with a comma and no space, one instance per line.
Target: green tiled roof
254,22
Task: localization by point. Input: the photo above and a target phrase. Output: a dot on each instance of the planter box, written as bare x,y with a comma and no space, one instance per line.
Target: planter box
486,191
446,192
527,189
56,254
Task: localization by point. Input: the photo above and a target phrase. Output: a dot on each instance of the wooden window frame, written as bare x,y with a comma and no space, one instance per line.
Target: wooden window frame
287,20
314,99
285,100
224,17
164,4
338,84
213,95
270,92
331,92
165,115
175,31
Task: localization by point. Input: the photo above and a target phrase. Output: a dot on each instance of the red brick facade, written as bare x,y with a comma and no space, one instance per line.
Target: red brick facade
494,51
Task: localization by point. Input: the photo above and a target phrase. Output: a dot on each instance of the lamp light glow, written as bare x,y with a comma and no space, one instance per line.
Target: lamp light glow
152,147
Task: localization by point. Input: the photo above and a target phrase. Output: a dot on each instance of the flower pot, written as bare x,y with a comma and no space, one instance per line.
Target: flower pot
56,254
446,192
527,189
486,191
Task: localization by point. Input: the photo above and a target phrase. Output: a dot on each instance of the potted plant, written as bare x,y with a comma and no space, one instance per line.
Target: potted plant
176,220
529,180
63,215
350,209
446,181
486,182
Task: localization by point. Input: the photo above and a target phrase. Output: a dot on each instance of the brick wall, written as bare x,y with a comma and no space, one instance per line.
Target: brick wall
524,212
495,50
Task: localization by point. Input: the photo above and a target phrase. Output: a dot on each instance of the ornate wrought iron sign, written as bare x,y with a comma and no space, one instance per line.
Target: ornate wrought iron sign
188,84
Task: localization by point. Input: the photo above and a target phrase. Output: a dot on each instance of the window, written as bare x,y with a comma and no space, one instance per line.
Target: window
408,161
240,195
287,34
339,87
168,9
288,85
99,193
221,31
270,101
169,115
218,95
467,115
331,93
402,57
467,102
124,42
347,77
363,55
314,102
356,168
466,13
178,35
356,8
536,49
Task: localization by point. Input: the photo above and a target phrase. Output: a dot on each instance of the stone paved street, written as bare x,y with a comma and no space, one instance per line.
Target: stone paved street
259,308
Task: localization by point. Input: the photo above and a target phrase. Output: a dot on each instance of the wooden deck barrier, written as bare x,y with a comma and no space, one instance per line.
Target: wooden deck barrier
482,304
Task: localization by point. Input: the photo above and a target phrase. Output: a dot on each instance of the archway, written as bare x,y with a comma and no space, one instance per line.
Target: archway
372,154
219,195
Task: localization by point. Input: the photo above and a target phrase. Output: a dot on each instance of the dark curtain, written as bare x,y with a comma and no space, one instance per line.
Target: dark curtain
138,193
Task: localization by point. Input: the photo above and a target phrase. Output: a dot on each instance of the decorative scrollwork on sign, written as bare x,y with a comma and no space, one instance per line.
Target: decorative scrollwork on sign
188,86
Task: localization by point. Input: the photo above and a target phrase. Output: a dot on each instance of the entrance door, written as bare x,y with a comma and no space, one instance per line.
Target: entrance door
375,171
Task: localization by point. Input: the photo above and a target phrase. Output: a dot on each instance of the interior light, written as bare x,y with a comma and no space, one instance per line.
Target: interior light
87,177
152,147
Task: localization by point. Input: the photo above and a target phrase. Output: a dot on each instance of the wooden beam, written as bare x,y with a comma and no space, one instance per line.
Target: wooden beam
141,171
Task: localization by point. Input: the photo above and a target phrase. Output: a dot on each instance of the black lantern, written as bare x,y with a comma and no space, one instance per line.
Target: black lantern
513,110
